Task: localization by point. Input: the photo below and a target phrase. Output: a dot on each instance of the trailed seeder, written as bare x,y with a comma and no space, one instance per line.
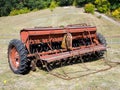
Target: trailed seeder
50,44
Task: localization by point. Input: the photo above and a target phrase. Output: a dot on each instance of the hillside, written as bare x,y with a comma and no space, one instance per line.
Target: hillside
10,27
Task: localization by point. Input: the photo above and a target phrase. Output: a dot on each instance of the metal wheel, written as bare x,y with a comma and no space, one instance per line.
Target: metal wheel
102,41
14,58
17,57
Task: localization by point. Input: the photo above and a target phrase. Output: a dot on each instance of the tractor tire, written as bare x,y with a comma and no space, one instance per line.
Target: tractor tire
17,57
102,41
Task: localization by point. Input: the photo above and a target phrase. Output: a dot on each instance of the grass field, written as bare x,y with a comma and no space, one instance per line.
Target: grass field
40,80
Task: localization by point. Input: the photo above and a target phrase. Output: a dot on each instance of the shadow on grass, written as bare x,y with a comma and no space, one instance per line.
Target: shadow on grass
71,61
67,62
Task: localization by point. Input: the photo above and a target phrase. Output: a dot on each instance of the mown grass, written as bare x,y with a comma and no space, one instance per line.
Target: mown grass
40,80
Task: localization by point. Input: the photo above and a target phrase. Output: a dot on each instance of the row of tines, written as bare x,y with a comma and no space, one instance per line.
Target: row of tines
44,47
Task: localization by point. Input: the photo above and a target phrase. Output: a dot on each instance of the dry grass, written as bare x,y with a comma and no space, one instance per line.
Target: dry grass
41,80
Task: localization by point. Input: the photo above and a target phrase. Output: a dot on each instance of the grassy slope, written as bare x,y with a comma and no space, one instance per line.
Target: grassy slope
41,80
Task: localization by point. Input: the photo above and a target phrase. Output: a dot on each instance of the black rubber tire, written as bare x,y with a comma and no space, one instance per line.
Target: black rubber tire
24,63
102,41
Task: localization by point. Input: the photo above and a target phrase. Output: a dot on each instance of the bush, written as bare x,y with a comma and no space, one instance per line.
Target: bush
47,3
102,5
34,10
114,4
89,8
5,7
33,4
64,2
74,3
21,11
81,3
103,9
116,13
53,5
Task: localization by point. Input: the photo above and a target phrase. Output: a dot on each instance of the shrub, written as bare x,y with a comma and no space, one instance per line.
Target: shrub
32,4
102,5
89,8
116,13
81,3
5,7
114,4
64,2
14,12
34,10
74,3
21,11
47,3
53,5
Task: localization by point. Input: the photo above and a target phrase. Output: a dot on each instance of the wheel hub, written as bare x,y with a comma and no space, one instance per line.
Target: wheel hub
14,58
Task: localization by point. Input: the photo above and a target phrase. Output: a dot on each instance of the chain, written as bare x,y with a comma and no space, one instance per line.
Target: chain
65,75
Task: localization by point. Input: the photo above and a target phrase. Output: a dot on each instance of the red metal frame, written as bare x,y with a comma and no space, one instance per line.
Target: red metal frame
14,58
44,35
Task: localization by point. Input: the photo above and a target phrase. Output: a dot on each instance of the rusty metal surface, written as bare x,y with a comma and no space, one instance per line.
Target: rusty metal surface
53,57
67,75
46,42
59,28
41,35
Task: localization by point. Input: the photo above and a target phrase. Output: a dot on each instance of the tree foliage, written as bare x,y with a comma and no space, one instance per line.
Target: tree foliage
102,5
89,8
20,11
32,4
64,2
116,13
81,3
53,5
114,4
7,6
